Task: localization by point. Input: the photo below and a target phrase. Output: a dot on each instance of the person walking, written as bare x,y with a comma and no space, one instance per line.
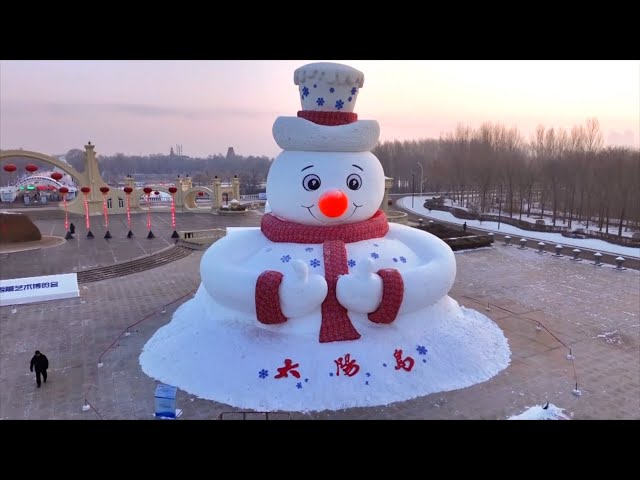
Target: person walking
40,362
464,226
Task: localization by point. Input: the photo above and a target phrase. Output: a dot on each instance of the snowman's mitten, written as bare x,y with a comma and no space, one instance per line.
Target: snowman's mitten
267,298
392,294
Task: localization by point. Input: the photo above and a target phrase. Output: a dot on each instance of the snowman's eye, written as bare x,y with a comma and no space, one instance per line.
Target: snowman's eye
311,182
354,182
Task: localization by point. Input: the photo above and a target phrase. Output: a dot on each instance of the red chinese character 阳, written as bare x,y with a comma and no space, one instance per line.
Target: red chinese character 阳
283,372
406,364
348,366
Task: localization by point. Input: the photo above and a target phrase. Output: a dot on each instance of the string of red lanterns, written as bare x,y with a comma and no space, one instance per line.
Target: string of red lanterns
147,191
172,191
104,191
86,191
128,191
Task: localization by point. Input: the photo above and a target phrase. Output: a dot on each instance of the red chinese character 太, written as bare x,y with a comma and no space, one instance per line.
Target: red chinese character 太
288,368
406,364
348,366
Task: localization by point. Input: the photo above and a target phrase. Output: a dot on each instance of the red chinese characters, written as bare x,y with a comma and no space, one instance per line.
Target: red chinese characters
283,372
349,367
406,364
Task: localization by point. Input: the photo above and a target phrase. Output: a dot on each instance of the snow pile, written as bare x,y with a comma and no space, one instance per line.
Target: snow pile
592,243
209,351
546,412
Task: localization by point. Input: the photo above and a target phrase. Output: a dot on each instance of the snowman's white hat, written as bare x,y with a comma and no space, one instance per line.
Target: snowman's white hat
327,121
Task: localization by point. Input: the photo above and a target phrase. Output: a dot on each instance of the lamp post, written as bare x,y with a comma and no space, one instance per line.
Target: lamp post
413,187
421,175
500,207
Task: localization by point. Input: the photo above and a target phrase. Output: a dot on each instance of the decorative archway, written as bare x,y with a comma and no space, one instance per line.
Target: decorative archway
90,177
190,197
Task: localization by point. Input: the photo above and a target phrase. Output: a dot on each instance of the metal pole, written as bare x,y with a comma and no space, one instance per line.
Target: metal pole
500,207
421,175
413,187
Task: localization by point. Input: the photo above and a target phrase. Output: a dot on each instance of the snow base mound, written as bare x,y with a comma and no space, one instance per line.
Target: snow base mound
216,354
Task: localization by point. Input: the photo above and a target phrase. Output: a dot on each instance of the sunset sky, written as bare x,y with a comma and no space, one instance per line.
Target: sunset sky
143,107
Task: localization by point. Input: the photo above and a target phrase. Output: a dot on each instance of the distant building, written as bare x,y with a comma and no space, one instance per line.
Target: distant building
231,154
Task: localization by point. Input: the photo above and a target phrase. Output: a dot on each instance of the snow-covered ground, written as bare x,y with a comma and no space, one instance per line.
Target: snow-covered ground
551,412
551,238
212,353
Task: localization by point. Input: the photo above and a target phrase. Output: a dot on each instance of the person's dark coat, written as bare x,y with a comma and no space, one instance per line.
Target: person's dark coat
72,229
40,362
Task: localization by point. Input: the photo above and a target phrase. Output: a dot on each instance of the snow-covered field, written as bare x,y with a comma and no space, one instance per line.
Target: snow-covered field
209,352
552,238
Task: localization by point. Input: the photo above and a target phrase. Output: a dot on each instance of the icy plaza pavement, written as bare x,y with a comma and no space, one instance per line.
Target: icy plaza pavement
593,310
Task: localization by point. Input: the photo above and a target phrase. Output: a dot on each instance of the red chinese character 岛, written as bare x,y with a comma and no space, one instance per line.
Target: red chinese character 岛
348,366
406,364
283,372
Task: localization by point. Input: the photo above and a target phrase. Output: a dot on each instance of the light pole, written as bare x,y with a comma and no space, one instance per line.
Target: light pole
500,207
421,175
413,187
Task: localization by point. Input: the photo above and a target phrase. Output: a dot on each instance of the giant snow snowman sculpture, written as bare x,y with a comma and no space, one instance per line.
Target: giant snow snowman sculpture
326,305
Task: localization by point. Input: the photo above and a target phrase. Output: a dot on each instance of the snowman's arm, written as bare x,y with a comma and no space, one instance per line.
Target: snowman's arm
432,280
226,273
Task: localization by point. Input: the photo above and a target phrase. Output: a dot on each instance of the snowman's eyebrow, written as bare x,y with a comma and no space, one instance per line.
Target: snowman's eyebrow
306,168
354,165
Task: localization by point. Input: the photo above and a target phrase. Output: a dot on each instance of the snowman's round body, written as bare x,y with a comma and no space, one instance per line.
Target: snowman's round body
326,305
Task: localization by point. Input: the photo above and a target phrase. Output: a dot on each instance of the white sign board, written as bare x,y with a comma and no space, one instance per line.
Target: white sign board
38,289
262,196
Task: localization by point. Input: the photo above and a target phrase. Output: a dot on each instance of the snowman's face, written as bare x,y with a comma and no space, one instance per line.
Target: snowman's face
325,188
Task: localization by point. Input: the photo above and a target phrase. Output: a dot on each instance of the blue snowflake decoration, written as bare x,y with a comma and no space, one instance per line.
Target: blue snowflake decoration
424,360
368,374
354,90
305,92
331,374
395,259
339,104
384,364
403,260
299,385
332,90
376,245
263,373
422,350
320,101
374,255
315,263
351,263
306,380
285,258
350,98
367,382
308,249
315,86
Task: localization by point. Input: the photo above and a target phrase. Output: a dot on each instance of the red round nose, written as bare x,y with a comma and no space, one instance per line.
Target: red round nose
333,203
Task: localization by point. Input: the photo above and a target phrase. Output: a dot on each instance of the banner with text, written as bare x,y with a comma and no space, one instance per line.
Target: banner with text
17,291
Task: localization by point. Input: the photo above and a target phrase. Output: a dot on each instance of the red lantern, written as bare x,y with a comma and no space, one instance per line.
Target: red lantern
85,190
147,190
156,193
56,176
63,190
9,168
104,190
42,188
201,194
31,168
172,190
128,190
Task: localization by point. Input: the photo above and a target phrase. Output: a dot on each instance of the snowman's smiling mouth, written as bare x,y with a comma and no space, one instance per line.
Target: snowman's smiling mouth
343,219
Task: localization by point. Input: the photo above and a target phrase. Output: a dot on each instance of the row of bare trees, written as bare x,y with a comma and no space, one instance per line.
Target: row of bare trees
563,174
